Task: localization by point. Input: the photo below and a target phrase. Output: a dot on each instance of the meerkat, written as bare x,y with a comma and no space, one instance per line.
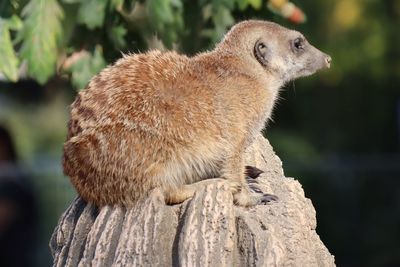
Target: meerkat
161,119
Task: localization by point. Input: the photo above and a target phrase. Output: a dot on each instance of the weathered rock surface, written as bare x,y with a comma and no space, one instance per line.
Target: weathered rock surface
207,230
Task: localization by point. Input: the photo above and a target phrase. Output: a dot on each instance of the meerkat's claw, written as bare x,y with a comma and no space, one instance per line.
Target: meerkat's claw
250,180
254,188
266,198
252,172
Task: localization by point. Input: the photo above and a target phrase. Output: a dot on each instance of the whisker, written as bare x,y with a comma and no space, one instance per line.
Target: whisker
294,87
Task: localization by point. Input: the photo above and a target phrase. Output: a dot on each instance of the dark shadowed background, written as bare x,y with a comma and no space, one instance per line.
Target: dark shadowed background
337,132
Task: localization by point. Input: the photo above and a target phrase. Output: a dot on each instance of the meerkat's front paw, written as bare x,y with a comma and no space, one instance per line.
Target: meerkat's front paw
263,198
246,199
253,187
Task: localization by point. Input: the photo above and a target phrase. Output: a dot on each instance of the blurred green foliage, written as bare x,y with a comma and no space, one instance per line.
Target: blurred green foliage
70,36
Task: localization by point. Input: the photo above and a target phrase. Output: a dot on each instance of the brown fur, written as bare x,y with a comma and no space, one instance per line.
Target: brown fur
165,120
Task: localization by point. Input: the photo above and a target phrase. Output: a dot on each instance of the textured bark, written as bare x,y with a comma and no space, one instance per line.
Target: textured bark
207,230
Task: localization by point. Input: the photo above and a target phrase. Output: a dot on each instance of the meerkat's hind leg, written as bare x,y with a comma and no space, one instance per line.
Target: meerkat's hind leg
180,194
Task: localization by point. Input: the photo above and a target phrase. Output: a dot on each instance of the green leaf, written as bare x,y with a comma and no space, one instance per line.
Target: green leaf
14,23
91,13
242,4
8,59
71,1
165,18
98,62
222,19
40,37
207,12
229,4
117,34
116,4
124,6
176,3
256,4
160,11
86,67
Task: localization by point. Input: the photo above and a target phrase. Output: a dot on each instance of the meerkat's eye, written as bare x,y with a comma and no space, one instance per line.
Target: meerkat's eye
298,44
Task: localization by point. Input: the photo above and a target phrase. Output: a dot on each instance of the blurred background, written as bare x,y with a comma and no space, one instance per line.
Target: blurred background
337,132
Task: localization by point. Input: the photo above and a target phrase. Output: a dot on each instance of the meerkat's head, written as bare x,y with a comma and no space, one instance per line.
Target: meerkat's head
278,50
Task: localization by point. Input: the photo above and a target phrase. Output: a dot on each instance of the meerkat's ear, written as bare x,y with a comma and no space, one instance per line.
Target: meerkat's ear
261,52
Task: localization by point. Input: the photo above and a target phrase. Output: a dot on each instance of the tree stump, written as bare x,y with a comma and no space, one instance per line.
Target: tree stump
207,230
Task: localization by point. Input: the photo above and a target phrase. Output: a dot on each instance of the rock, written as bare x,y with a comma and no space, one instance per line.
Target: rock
207,230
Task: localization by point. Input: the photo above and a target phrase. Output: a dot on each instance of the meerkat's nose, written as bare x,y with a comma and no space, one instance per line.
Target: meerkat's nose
328,61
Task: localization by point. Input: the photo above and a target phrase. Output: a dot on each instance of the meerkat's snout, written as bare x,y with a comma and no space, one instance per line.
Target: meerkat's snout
313,61
325,60
321,59
328,61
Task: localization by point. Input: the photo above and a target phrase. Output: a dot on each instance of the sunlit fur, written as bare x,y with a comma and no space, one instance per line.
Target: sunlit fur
161,119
